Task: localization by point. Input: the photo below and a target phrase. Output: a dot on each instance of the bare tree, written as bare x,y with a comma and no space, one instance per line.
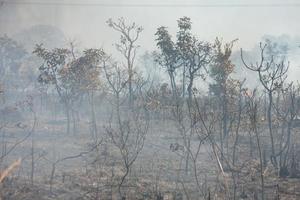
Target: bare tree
286,109
129,131
129,138
253,112
271,75
60,160
127,47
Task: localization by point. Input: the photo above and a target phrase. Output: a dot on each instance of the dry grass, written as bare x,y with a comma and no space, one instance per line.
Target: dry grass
9,170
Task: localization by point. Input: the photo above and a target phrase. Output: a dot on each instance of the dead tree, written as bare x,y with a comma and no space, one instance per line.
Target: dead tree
272,75
286,110
206,130
128,137
253,112
128,131
127,47
60,160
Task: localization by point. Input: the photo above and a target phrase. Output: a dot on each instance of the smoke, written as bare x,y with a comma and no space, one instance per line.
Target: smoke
86,24
286,44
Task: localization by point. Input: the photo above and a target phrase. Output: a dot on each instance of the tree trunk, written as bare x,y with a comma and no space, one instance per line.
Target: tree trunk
93,115
173,85
261,162
68,115
273,156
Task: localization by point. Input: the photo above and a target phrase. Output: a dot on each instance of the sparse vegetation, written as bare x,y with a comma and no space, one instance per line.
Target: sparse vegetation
88,124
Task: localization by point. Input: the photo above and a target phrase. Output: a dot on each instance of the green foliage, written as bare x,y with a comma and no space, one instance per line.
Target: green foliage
187,55
71,76
83,73
221,67
54,61
168,52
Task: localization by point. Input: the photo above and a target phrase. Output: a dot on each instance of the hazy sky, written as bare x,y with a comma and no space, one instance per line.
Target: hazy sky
84,20
86,23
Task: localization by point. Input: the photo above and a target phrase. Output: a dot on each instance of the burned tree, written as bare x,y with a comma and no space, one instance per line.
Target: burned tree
126,129
272,75
286,108
253,112
128,48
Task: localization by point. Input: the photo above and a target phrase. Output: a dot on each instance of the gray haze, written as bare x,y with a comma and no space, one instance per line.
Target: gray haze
86,23
173,121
